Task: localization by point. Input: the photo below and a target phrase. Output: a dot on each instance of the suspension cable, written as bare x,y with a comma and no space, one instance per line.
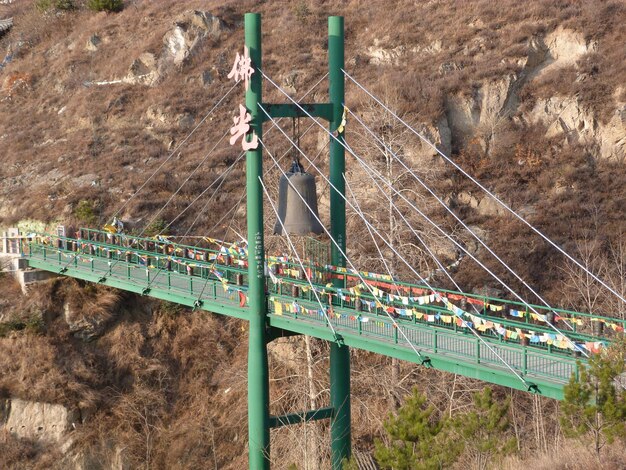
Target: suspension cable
176,149
576,347
529,386
331,237
241,155
371,171
450,211
193,172
492,195
222,179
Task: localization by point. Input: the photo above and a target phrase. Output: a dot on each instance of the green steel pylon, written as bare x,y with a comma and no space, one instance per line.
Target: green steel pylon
259,420
258,374
339,354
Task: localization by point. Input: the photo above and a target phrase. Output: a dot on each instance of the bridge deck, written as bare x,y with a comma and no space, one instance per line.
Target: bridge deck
439,346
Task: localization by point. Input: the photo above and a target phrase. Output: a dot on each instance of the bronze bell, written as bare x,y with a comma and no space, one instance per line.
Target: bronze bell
292,211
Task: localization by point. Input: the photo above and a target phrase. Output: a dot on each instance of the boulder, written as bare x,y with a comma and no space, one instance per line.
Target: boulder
467,199
143,71
86,327
93,42
485,206
488,292
489,207
189,31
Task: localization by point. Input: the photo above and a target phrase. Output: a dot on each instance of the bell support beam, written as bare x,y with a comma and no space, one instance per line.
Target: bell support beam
290,110
340,429
258,372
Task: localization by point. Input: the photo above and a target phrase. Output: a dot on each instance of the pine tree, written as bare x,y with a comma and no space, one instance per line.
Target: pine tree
483,431
594,404
417,439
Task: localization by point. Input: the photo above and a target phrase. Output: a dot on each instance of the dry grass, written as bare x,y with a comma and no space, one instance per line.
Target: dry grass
22,454
572,455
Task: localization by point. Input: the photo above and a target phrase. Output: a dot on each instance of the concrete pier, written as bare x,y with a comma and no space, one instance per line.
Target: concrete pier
14,262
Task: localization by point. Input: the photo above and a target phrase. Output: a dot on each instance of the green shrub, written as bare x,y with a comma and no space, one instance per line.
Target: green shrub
85,212
45,5
156,227
35,324
171,309
105,5
11,325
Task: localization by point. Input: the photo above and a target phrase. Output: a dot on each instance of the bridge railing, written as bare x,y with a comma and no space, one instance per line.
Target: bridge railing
147,244
589,325
323,274
154,258
140,256
432,316
201,285
427,338
553,365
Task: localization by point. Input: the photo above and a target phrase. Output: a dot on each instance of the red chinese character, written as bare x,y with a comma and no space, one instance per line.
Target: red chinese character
241,128
242,68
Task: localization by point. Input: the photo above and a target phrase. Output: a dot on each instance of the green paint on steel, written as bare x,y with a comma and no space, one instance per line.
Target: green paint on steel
258,374
456,365
449,350
282,110
295,418
340,439
215,304
232,270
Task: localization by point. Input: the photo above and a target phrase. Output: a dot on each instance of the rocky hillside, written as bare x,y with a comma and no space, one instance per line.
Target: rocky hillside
527,96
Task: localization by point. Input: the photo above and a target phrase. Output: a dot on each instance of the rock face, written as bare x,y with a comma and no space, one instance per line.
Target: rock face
480,114
44,422
86,327
563,116
438,134
380,55
565,47
477,116
189,31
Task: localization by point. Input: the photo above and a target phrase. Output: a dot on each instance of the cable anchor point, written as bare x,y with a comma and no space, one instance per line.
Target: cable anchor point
339,340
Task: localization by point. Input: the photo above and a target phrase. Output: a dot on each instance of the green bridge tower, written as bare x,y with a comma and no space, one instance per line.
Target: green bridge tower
259,420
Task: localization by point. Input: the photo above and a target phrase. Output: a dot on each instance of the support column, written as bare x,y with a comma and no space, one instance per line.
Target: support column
339,354
258,374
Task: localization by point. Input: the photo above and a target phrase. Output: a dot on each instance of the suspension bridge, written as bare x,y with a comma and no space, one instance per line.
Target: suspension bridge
515,343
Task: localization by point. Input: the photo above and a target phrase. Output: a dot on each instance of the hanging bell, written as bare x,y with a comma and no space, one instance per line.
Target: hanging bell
297,218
